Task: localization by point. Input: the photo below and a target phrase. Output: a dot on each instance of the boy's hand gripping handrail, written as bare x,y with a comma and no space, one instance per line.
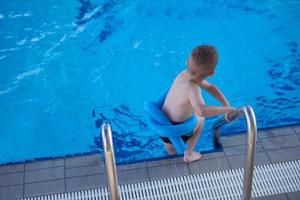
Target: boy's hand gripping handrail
110,163
248,112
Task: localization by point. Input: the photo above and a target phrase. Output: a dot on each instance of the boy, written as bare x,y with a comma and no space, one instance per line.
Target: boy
184,98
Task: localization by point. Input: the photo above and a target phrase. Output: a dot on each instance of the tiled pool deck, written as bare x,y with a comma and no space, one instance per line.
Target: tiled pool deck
87,172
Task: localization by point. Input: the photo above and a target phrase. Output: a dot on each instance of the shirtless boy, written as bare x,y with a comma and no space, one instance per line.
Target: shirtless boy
184,98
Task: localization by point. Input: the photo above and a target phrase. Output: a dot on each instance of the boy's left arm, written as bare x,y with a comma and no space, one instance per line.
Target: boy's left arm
215,92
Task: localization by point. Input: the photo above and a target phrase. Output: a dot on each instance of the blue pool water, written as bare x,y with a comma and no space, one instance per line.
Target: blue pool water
66,67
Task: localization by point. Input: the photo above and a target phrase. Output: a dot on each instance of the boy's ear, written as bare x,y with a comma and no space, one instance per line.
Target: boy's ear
212,73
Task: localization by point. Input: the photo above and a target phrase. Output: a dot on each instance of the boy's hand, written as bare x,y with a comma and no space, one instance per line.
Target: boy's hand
229,115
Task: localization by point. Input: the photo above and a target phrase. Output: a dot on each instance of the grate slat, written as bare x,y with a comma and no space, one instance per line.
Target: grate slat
294,178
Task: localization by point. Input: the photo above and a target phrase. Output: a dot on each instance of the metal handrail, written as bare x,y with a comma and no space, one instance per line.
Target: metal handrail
248,112
110,163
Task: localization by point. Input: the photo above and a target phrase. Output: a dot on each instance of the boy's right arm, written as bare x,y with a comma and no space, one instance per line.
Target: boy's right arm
201,109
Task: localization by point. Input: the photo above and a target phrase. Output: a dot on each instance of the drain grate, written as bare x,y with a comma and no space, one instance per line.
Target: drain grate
223,185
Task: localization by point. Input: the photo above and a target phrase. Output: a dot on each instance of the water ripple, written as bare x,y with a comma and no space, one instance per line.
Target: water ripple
127,127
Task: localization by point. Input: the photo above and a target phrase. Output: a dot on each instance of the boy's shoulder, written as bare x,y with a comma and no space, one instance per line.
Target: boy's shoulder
193,86
184,82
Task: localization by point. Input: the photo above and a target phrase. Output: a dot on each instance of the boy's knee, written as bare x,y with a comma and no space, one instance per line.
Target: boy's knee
200,122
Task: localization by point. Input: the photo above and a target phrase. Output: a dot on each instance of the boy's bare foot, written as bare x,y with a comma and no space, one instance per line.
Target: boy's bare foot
191,156
170,149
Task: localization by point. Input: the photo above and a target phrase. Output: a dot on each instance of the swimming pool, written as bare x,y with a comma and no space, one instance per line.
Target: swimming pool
66,67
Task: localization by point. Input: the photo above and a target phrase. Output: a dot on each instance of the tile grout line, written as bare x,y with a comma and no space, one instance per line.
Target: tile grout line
240,145
203,159
5,186
124,167
276,149
282,148
147,170
82,166
57,179
265,151
297,135
226,157
44,181
188,166
94,174
24,180
287,197
40,169
276,136
229,146
12,172
294,128
65,180
29,170
279,148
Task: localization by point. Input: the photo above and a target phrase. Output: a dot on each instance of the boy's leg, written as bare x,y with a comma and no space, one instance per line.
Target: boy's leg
189,154
170,149
168,145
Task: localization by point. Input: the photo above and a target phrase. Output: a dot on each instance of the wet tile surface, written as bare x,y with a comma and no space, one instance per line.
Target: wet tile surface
212,165
85,182
87,172
280,142
164,162
235,140
131,166
79,161
168,171
46,174
296,129
41,188
294,195
6,169
238,161
273,197
11,179
286,154
213,155
11,192
275,132
241,149
133,175
44,164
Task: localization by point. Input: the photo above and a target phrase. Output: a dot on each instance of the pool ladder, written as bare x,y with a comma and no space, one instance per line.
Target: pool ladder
245,111
110,163
248,113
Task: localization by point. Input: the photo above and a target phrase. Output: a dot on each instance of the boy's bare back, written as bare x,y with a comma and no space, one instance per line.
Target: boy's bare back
177,105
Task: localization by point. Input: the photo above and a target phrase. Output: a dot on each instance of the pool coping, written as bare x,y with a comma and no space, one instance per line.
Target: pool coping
139,161
82,172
